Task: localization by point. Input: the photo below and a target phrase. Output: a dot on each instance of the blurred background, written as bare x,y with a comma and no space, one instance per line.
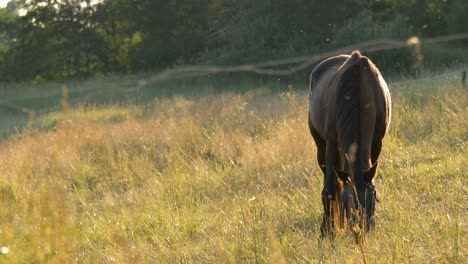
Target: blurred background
56,54
60,39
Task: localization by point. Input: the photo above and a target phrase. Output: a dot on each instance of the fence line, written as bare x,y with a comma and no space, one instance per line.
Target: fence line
301,63
16,107
267,67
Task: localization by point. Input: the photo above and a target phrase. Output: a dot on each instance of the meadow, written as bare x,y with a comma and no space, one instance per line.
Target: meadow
227,177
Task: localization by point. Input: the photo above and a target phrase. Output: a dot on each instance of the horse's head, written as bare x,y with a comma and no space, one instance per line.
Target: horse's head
358,202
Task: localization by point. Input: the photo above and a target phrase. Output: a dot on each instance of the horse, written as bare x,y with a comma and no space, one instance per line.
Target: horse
349,114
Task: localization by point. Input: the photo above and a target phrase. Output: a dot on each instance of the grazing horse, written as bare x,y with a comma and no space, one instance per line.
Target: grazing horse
349,114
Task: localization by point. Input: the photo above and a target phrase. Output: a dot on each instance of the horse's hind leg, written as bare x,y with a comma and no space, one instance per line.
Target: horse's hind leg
321,158
376,147
326,157
320,143
329,189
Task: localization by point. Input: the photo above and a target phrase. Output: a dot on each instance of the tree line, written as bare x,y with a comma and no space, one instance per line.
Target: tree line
58,39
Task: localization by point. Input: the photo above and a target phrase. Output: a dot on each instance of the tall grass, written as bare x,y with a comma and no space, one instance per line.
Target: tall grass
227,178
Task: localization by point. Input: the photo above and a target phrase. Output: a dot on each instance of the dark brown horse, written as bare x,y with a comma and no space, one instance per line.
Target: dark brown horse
349,114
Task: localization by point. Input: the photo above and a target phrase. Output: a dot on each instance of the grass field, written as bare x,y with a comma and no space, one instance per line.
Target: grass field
229,177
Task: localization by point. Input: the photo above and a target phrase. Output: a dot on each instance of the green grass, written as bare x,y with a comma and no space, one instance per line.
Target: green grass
226,178
20,100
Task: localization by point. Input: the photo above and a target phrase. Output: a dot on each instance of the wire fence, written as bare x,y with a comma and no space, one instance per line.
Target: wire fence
297,63
278,67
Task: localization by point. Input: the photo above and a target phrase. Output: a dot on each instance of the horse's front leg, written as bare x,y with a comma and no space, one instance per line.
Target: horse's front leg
329,189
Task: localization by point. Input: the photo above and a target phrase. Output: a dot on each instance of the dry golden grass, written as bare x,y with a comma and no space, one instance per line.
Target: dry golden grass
227,178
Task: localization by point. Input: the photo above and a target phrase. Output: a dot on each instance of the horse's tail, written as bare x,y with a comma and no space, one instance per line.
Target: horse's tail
356,104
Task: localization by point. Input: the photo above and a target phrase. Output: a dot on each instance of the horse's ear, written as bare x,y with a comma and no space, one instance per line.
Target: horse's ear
370,174
342,175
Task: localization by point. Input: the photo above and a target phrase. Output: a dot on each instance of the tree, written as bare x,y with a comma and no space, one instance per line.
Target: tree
55,39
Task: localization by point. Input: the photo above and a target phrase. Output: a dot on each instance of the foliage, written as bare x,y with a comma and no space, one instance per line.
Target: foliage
58,39
228,177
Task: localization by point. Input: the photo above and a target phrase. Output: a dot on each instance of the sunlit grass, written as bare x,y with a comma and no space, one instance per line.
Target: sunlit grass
227,178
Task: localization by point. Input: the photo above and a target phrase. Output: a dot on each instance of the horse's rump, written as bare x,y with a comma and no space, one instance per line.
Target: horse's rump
349,103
